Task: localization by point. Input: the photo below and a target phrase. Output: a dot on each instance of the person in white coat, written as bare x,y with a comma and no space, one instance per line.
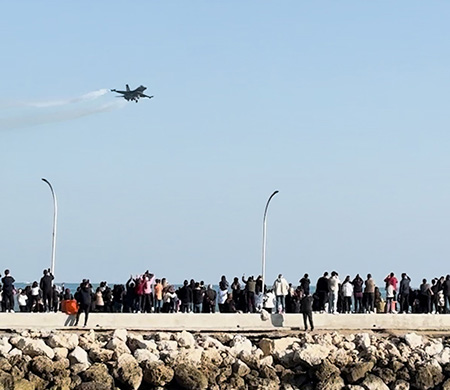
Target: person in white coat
281,289
347,292
334,292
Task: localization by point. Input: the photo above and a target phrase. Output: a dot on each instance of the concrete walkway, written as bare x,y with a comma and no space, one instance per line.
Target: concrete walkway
226,322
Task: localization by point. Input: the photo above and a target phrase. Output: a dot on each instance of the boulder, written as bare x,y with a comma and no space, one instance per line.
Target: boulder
428,375
157,374
121,334
239,344
127,372
63,340
281,344
372,382
185,339
5,346
362,340
42,366
267,346
60,353
333,382
190,356
212,355
37,347
119,346
325,371
400,385
143,355
24,384
98,373
434,348
190,377
358,371
92,386
312,354
80,356
443,357
5,365
240,368
101,355
39,383
14,352
167,345
413,340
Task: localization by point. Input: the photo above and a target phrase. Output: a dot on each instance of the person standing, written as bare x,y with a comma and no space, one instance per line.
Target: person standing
281,289
84,299
369,292
404,293
358,293
391,280
250,291
306,308
425,296
305,283
8,291
446,291
323,291
347,292
334,292
46,287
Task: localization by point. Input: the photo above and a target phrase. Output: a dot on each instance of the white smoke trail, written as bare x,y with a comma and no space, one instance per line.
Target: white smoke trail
54,111
63,102
54,103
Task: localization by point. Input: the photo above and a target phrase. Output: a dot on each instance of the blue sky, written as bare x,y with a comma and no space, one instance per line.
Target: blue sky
341,106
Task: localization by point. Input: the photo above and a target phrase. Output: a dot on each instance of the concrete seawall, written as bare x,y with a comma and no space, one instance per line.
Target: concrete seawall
226,322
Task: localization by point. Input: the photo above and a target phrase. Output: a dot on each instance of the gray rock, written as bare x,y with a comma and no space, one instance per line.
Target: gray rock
428,375
63,340
372,382
400,385
190,377
128,372
34,348
98,373
240,368
185,339
413,340
157,373
79,356
358,371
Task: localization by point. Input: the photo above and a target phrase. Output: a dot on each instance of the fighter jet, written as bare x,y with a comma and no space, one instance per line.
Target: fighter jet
133,95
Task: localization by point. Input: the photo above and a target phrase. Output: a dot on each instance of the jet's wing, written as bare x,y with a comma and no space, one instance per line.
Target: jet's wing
115,90
143,95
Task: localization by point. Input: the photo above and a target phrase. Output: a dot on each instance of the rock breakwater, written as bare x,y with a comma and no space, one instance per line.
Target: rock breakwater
97,360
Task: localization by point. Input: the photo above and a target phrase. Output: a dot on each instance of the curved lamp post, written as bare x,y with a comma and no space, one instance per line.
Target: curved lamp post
55,216
265,239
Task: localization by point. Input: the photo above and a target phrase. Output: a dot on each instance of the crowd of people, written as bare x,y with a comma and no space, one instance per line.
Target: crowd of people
147,294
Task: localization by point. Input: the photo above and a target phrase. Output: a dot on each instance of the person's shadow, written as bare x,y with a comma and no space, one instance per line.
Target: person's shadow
70,321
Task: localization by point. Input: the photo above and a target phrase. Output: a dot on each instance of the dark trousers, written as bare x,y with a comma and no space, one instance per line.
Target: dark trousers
251,302
359,303
404,303
347,304
83,309
47,298
323,299
307,315
370,302
8,299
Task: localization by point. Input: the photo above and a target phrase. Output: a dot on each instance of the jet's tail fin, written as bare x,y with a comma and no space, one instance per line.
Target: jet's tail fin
128,88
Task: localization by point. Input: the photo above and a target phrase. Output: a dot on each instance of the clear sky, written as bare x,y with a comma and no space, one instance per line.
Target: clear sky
341,106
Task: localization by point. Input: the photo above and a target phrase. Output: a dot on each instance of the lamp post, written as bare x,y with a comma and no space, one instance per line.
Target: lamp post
265,239
55,216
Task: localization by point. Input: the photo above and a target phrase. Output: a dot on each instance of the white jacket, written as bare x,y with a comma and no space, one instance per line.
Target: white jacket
281,287
347,289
